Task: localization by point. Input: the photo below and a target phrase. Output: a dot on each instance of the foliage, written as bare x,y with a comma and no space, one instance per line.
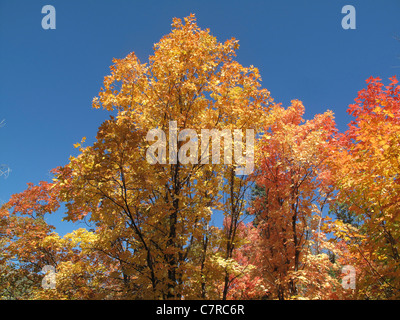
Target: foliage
367,175
317,201
152,219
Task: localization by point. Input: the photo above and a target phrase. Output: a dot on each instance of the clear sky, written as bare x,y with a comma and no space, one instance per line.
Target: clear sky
48,78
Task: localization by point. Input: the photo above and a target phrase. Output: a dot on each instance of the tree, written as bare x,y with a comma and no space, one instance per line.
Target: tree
367,175
342,212
150,214
147,189
30,245
292,190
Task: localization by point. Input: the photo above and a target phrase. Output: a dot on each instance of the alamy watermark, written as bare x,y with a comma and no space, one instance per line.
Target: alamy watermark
49,280
349,278
189,151
49,20
349,20
4,171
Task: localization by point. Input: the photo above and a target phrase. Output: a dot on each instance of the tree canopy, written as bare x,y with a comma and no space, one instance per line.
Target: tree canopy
149,187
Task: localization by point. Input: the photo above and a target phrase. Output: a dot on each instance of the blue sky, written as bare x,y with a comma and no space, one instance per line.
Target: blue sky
48,78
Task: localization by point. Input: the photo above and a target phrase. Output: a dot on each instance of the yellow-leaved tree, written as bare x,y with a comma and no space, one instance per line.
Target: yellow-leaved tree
148,190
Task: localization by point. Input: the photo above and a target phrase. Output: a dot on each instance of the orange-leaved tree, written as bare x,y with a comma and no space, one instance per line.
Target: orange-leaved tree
367,169
31,248
293,181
